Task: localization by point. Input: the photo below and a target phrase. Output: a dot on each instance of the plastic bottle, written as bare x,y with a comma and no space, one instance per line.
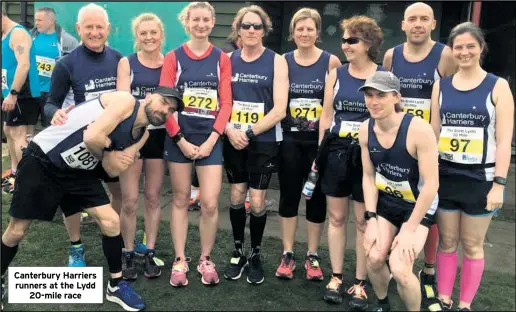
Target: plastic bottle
309,187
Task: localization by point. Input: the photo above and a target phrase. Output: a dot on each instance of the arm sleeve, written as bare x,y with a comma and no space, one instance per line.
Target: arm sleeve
59,87
168,79
225,95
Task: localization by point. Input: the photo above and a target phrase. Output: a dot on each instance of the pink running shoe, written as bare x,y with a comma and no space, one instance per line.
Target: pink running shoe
207,270
178,275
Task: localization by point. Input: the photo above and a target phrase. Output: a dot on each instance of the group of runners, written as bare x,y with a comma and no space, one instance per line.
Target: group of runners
419,147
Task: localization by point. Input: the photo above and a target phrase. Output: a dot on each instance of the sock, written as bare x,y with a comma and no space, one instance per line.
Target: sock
384,301
257,227
431,245
337,275
113,282
13,171
8,254
287,251
446,272
194,193
77,243
358,282
112,246
470,277
309,253
238,217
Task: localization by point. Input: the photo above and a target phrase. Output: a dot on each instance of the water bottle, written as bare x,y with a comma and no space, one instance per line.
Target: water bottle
309,187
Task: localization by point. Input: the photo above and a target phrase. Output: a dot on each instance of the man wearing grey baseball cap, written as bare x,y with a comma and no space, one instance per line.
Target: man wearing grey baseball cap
399,152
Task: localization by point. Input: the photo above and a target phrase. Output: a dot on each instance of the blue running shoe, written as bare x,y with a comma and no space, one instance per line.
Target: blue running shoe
76,258
125,296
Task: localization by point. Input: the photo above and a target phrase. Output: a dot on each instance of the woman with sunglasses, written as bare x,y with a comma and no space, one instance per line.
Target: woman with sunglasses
260,93
472,111
202,72
139,74
308,68
344,110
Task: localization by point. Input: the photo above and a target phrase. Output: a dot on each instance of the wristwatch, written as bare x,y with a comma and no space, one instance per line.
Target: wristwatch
14,92
178,137
250,134
500,180
369,214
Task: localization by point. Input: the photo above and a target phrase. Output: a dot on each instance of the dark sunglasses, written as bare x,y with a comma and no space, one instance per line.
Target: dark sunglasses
351,40
247,26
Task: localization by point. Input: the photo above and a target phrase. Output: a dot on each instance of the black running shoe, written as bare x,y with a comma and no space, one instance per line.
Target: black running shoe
382,307
334,291
151,268
427,282
358,301
236,266
255,275
129,271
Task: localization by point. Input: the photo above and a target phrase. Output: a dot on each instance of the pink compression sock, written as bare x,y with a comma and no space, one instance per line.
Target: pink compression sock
470,277
446,272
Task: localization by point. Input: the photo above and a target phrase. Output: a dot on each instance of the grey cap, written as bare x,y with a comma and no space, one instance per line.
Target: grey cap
383,81
171,93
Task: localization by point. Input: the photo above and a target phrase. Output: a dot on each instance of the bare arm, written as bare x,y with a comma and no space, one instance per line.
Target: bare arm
435,111
20,43
387,59
123,79
421,134
280,97
369,174
327,112
334,63
96,135
447,65
504,108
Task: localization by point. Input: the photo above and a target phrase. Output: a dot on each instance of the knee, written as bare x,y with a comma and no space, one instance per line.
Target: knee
338,219
15,233
257,201
448,243
129,204
401,272
209,208
376,259
7,130
472,247
109,223
238,195
152,198
180,199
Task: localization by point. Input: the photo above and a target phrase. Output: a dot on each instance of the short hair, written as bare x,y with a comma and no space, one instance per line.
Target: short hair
473,30
367,29
50,11
266,20
146,17
302,14
185,13
92,7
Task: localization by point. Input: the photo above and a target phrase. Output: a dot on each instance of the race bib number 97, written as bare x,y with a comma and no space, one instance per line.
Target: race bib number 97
246,114
464,145
79,157
4,79
45,66
398,189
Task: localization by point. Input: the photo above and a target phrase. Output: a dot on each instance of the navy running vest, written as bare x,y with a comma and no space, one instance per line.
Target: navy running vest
349,108
64,144
397,172
417,80
467,144
252,89
198,81
306,93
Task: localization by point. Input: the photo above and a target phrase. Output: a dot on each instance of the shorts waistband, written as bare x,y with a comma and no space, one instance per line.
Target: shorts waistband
465,166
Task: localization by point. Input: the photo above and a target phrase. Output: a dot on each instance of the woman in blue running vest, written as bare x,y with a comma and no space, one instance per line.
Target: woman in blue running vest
474,112
308,68
139,74
344,110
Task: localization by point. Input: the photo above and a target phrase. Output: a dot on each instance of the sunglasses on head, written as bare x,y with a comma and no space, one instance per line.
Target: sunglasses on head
351,40
247,26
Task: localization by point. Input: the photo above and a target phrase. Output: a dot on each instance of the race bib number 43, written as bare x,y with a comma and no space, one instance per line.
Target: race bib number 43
4,79
79,157
246,114
396,189
45,65
349,129
306,108
200,102
417,107
464,145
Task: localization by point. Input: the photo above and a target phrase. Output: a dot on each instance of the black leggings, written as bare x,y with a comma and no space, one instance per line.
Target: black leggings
296,158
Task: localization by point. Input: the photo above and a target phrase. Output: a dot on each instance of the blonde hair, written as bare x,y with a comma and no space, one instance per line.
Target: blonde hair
185,13
146,17
302,14
266,20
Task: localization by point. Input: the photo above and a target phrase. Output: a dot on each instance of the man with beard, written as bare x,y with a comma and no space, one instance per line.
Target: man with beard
58,169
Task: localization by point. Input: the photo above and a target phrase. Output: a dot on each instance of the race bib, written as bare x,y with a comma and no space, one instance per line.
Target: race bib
246,114
349,129
399,190
4,79
463,145
79,157
417,107
45,66
200,102
306,108
91,95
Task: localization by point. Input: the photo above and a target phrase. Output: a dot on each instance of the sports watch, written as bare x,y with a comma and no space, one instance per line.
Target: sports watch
500,180
250,134
14,92
369,214
178,137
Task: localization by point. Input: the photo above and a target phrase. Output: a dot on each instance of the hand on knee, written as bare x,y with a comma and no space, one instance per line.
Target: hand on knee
109,224
376,259
401,269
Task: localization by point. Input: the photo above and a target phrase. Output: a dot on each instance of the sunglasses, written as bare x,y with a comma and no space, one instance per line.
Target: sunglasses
247,26
351,40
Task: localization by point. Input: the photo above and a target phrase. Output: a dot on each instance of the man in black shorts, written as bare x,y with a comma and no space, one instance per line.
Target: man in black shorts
58,168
